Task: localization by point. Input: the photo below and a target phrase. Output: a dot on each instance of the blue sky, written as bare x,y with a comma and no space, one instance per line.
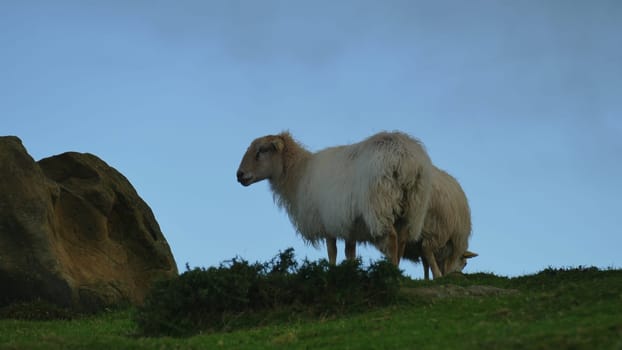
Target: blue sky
520,100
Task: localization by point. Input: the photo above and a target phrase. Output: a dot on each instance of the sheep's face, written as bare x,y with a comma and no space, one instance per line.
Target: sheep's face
460,263
263,160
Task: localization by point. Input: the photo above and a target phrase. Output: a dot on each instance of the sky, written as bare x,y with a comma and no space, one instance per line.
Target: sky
520,100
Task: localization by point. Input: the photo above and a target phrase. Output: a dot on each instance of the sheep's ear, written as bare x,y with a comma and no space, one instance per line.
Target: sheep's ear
277,144
468,255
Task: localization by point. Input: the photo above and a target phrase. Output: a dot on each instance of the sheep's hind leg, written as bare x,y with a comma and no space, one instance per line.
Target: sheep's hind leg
350,250
426,268
331,247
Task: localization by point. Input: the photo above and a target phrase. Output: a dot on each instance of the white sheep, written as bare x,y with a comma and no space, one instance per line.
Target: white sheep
446,229
373,191
414,252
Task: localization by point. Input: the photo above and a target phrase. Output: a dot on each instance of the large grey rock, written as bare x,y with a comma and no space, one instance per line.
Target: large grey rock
73,231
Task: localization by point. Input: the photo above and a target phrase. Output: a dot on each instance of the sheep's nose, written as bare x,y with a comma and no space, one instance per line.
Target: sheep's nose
244,178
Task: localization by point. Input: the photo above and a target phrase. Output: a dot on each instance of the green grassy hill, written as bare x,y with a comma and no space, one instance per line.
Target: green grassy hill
578,308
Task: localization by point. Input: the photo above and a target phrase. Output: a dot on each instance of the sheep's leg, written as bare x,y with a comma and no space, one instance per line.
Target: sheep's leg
428,254
402,249
393,247
331,247
402,239
426,269
350,250
445,266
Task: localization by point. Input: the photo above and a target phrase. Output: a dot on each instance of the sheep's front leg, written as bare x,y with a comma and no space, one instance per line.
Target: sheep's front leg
400,250
393,247
428,254
402,237
350,250
331,247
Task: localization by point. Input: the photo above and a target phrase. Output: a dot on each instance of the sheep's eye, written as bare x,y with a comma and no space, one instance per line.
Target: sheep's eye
260,151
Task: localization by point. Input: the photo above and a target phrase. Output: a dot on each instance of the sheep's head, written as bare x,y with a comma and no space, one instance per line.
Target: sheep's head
263,160
460,263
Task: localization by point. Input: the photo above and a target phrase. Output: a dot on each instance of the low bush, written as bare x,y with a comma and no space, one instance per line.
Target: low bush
228,296
36,310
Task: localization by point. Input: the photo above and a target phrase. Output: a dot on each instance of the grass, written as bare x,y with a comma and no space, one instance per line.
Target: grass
578,308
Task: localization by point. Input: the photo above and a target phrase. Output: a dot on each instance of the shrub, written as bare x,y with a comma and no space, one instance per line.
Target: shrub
228,296
35,310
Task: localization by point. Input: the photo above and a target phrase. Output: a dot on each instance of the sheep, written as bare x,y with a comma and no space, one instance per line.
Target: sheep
446,229
373,191
414,252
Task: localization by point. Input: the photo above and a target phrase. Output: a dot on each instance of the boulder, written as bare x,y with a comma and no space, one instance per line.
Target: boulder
74,232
